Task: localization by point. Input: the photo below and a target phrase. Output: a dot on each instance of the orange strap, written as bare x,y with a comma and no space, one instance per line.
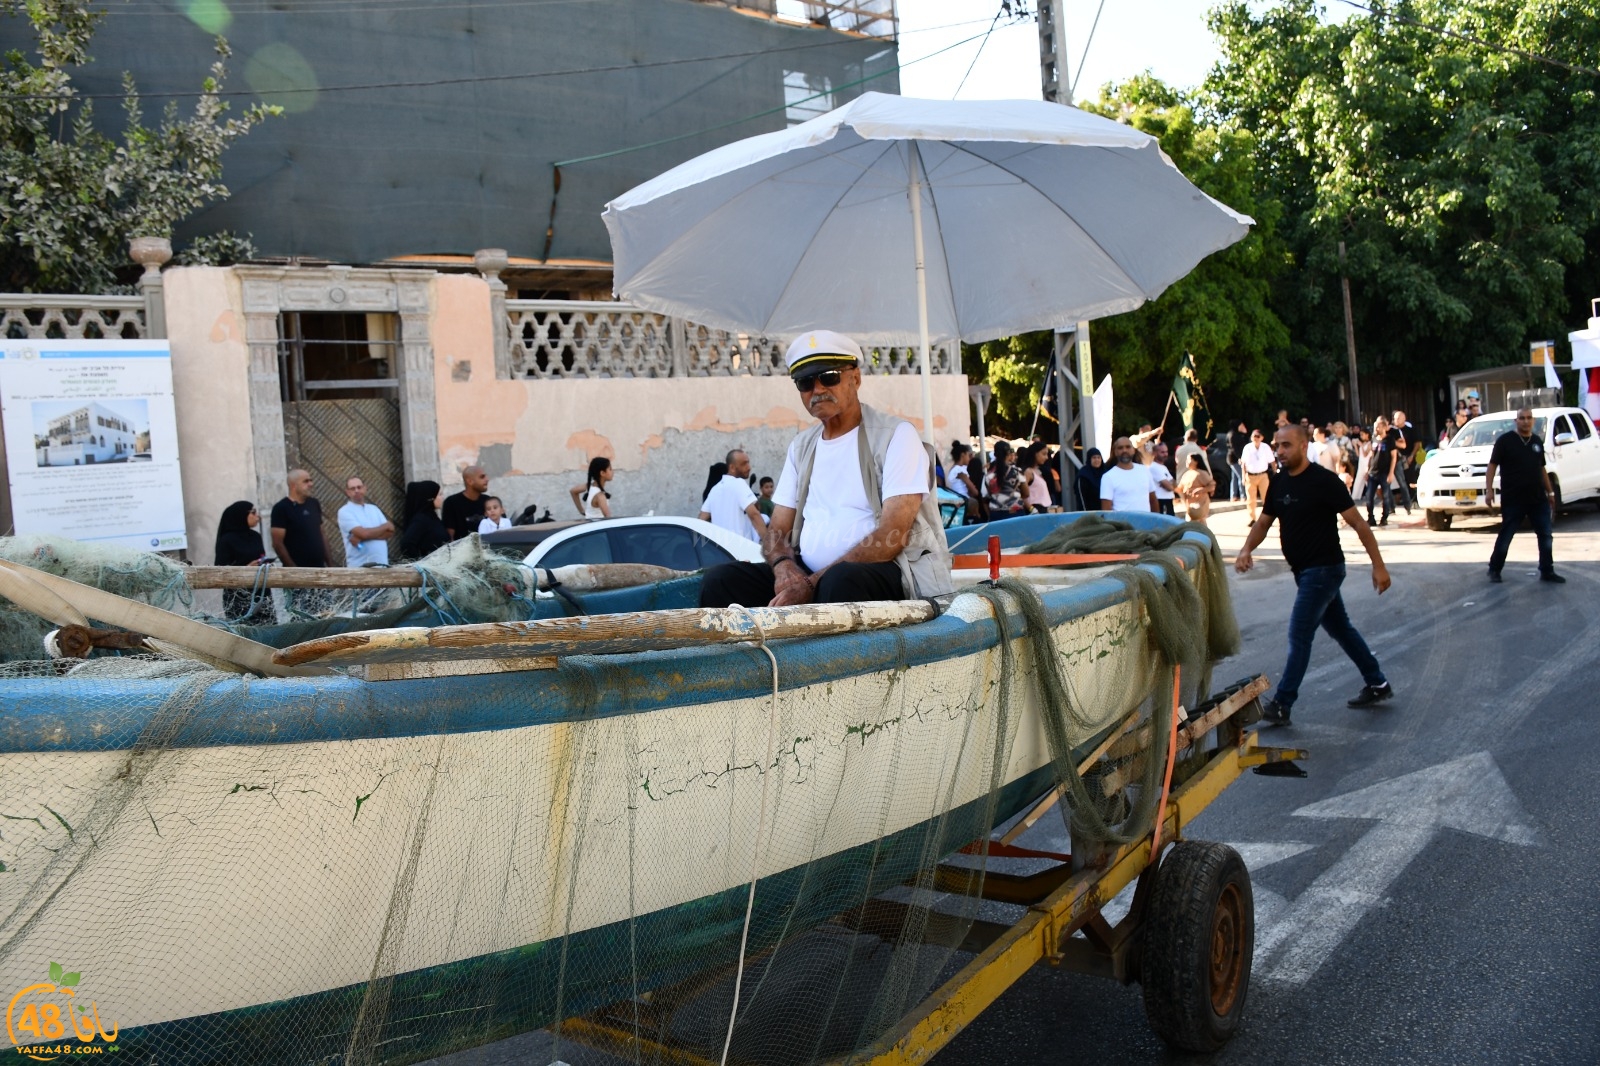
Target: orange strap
1172,754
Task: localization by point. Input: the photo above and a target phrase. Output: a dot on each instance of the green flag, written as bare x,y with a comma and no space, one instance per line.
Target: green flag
1191,399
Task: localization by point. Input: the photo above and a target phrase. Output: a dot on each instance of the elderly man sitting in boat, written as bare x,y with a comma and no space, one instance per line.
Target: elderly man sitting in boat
855,516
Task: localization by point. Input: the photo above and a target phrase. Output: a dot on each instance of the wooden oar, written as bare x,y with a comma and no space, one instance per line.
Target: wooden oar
18,586
603,634
578,577
211,643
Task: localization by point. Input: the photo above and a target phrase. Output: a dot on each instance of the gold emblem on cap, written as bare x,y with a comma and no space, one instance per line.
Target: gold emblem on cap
813,340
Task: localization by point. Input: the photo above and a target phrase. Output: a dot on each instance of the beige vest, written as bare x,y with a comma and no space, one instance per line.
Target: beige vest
925,561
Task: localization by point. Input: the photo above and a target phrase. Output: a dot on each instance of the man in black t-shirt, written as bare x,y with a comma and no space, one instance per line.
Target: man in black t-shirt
1525,492
297,536
1309,500
463,511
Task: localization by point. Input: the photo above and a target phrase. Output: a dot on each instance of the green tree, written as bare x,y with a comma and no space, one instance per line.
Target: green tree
1221,311
71,196
1460,175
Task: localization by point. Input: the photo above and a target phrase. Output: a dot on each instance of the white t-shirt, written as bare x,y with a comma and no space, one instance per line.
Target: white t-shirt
1257,458
490,525
1158,474
591,508
368,552
1314,451
1128,488
726,505
953,482
837,514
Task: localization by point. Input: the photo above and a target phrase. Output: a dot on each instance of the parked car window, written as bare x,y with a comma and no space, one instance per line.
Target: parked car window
1485,431
663,545
585,548
1580,423
711,553
1562,426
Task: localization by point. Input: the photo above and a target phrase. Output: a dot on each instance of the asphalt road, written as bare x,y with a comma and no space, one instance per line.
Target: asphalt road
1477,942
1426,894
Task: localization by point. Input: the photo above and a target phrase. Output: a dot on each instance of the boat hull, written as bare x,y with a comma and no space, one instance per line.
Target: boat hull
509,849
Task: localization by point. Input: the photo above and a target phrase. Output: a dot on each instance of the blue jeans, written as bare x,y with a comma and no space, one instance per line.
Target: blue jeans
1236,487
1318,603
1374,486
1512,512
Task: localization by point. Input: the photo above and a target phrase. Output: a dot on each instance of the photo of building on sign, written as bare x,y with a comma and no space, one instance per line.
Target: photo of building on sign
74,433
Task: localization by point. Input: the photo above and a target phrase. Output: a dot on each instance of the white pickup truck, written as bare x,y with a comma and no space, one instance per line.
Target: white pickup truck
1451,481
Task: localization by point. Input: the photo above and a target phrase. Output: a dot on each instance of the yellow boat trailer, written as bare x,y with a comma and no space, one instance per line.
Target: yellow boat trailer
1188,936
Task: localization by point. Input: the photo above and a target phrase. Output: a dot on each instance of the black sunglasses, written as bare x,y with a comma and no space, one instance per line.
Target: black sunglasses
826,378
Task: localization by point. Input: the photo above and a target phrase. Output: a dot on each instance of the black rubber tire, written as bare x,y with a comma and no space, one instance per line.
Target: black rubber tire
1199,939
1438,521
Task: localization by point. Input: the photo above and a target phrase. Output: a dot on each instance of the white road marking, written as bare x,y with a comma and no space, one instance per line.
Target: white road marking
1469,794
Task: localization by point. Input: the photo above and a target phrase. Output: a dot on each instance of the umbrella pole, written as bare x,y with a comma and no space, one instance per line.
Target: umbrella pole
912,160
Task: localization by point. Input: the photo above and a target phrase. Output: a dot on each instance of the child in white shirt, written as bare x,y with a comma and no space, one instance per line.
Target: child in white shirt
494,516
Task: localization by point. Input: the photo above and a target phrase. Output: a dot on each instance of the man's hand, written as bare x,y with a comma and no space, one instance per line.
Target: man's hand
1244,562
1380,577
791,585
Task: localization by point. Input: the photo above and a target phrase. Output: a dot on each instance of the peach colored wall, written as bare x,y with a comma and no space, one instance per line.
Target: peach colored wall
211,395
536,437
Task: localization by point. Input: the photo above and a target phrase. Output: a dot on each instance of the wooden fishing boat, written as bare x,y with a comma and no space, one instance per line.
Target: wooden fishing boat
338,868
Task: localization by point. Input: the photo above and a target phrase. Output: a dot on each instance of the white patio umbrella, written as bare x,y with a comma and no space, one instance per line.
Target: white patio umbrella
901,221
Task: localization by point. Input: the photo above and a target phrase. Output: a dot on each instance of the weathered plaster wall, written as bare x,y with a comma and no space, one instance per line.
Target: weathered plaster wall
535,438
211,393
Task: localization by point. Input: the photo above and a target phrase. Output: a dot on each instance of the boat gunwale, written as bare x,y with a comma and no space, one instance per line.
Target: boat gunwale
259,711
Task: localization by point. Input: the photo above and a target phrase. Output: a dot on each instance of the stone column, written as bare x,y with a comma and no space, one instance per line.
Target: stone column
490,262
152,253
419,422
261,303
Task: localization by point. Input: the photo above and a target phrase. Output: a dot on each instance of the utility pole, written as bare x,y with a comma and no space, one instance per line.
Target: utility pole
1052,53
1350,342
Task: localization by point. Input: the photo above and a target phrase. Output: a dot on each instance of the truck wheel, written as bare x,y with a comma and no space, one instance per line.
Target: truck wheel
1439,521
1199,938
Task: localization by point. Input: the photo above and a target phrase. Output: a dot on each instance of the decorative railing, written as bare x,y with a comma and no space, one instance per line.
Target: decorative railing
594,339
29,316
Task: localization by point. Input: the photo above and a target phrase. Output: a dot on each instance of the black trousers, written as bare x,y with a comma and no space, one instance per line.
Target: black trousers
752,584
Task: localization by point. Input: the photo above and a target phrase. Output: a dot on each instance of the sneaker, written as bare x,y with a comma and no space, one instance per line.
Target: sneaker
1371,694
1494,576
1274,713
1553,577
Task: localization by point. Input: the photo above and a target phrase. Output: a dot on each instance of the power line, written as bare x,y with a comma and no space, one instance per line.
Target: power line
992,24
786,105
1470,39
435,82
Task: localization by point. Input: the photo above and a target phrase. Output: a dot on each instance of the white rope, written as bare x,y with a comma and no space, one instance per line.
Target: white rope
761,821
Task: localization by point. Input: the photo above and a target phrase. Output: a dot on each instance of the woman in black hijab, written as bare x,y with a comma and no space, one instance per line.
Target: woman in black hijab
423,533
717,472
1089,474
239,544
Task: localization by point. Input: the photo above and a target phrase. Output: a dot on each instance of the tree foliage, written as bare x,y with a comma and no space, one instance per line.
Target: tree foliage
1460,175
72,196
1221,311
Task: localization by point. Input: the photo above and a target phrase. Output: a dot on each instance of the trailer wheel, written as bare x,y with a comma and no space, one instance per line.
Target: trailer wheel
1199,938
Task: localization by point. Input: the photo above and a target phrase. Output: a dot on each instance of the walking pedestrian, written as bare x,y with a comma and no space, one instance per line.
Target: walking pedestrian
1257,462
1402,435
1525,492
1238,441
1309,500
1380,470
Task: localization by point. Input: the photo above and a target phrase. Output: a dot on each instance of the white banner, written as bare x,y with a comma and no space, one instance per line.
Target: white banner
91,441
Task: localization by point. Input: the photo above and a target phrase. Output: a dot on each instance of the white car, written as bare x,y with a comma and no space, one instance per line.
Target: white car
662,540
1451,481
